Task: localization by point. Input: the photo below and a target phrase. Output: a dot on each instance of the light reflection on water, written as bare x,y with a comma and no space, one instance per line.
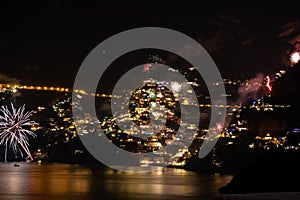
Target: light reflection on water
62,181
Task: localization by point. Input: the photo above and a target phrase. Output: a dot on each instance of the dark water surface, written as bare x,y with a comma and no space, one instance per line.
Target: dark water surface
57,181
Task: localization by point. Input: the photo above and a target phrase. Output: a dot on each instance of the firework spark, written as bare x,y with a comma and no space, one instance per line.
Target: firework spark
147,67
295,57
219,126
13,132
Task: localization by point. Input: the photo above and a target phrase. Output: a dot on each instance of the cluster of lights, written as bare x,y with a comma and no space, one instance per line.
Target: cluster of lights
26,87
280,142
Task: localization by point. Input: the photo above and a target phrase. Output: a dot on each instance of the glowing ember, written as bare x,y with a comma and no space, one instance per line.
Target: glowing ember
295,57
268,83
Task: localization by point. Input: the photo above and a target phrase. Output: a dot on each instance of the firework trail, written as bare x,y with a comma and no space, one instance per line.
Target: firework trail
13,132
268,83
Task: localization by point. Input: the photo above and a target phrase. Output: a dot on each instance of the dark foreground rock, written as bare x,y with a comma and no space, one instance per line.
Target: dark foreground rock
272,172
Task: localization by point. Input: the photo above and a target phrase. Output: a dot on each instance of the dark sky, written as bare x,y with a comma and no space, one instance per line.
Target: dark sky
44,42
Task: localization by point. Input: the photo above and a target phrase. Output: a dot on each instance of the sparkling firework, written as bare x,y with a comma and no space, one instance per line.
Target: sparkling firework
295,57
176,86
13,132
155,58
219,126
147,67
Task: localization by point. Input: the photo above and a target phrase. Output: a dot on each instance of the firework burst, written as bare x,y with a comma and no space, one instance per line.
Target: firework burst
13,132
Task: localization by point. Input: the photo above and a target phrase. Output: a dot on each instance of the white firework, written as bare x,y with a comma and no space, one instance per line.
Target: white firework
13,132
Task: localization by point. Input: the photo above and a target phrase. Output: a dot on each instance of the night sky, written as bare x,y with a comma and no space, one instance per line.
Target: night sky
45,42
